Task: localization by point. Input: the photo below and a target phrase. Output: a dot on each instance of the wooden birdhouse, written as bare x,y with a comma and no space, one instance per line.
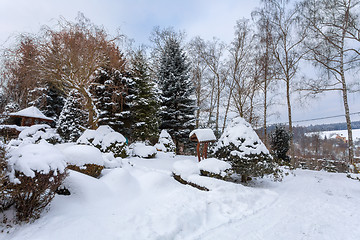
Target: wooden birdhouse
204,137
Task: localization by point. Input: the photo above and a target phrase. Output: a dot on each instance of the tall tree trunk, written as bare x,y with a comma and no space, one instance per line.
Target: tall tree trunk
348,121
290,122
265,112
217,106
92,122
228,105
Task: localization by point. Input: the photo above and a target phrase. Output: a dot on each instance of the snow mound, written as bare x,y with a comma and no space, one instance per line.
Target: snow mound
245,139
203,135
79,155
110,161
214,165
186,168
31,158
139,149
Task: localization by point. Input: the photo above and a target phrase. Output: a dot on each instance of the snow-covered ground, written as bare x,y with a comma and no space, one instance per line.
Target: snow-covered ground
141,200
341,133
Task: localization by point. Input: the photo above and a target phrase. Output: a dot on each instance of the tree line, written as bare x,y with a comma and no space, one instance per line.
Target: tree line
194,83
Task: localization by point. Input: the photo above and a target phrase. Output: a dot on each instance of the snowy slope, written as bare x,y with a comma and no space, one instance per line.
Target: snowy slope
143,201
333,134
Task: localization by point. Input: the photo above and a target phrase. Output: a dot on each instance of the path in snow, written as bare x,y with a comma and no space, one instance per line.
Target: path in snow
312,205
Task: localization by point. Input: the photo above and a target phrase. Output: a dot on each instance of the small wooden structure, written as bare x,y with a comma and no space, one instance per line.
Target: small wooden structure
204,136
30,115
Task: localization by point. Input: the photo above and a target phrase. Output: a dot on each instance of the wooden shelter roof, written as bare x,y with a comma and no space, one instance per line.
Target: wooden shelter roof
202,135
31,112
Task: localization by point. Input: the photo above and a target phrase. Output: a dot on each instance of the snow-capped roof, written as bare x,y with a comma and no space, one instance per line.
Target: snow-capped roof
31,112
203,135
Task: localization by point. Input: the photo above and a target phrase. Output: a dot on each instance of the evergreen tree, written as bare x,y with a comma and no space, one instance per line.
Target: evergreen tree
145,104
279,141
54,103
178,107
110,92
73,118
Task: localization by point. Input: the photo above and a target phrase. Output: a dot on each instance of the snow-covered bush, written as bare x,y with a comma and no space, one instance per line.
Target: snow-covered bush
140,149
165,143
106,140
84,159
242,148
35,134
215,168
36,171
5,199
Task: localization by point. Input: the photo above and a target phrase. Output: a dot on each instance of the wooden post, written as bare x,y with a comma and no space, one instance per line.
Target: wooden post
198,151
22,121
205,149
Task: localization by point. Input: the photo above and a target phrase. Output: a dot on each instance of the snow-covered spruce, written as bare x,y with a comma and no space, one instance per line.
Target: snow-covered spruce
72,118
36,171
165,143
145,106
279,141
106,140
177,104
242,148
140,149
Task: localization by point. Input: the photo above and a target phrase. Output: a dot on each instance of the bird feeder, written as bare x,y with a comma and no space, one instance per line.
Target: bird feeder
202,136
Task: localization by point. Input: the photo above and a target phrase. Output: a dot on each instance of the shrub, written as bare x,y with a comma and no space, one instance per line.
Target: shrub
32,194
106,140
5,199
85,159
35,134
35,172
242,148
92,170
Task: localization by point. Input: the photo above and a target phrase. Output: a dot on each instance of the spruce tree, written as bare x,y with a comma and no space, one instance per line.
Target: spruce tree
112,99
145,103
73,118
178,107
279,141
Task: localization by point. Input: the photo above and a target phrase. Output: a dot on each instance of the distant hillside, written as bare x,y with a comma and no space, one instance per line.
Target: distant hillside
320,127
332,127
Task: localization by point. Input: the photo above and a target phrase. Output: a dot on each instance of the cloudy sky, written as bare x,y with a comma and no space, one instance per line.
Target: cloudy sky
137,18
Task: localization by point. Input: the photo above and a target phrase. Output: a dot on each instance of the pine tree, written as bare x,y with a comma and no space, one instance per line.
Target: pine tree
178,107
145,104
72,118
279,140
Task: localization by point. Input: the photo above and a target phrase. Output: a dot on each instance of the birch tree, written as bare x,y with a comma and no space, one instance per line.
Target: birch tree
329,23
